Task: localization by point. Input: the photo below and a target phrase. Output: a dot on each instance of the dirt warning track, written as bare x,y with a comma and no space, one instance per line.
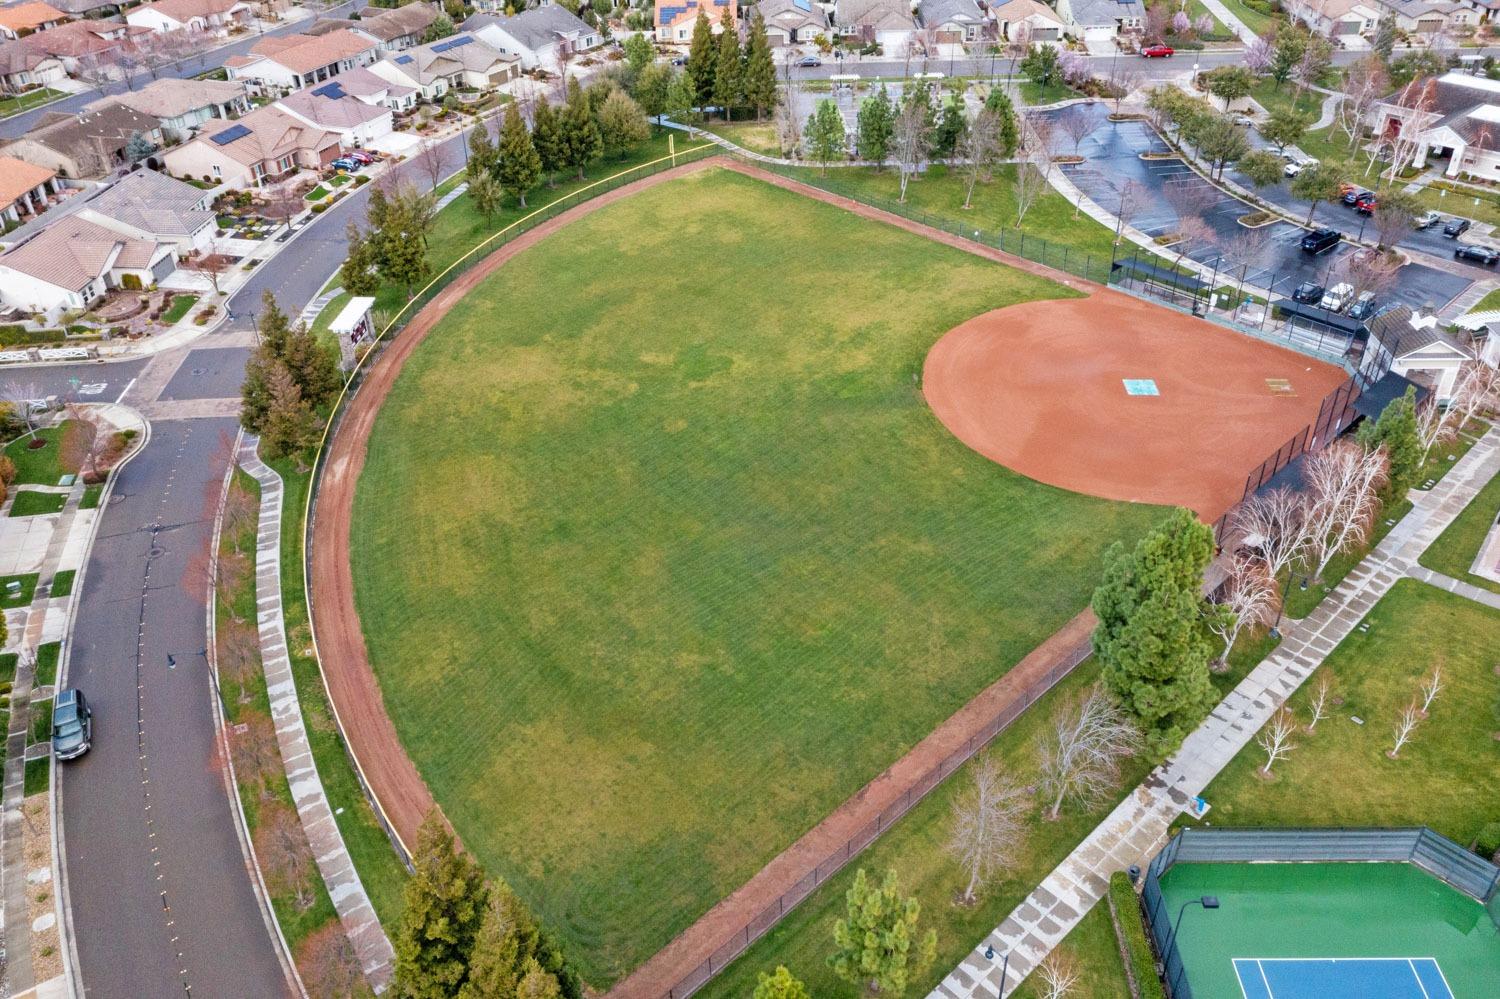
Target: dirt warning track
1041,389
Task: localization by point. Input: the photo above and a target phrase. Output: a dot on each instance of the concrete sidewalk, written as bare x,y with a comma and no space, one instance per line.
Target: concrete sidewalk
1138,825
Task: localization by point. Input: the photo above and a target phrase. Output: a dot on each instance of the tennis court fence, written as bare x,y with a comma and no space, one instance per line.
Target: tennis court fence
1433,853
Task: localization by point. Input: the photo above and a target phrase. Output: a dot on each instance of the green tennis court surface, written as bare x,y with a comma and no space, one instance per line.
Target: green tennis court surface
1331,931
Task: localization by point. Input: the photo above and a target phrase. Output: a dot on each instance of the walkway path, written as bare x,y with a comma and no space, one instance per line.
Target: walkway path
1230,21
1139,824
1456,586
344,886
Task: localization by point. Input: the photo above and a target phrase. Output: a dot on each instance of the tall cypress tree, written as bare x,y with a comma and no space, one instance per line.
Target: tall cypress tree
580,134
702,59
481,152
444,907
1010,133
1152,639
759,86
357,275
1397,430
729,71
546,135
877,124
520,164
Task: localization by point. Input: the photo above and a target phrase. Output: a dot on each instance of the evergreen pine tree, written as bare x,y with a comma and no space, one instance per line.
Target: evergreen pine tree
357,274
272,324
728,66
520,165
1396,429
255,390
312,365
682,98
702,60
487,194
444,904
290,425
546,135
622,126
877,940
759,86
949,131
482,155
781,985
1010,133
1152,640
877,123
580,134
824,133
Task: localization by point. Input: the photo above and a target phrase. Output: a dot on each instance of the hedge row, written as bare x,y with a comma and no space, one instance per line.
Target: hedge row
1127,909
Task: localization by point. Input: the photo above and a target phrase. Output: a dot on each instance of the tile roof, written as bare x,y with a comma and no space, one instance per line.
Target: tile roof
109,125
884,15
536,28
446,57
305,53
1104,12
1403,332
330,112
79,38
792,13
183,11
170,97
360,82
74,251
17,177
935,13
154,203
398,22
267,133
31,14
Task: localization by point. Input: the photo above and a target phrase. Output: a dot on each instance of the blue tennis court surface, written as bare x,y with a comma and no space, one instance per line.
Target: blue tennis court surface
1140,386
1341,978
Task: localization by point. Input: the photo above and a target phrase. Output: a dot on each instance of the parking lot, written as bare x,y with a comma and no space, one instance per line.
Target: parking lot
1269,255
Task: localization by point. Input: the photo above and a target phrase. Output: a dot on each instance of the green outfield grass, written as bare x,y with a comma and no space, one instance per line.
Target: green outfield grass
661,555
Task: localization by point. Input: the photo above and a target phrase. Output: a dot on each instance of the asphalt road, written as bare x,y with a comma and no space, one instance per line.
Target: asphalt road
192,66
160,899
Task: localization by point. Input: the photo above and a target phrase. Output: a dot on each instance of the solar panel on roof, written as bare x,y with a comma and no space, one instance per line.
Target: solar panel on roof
453,44
403,60
333,90
230,134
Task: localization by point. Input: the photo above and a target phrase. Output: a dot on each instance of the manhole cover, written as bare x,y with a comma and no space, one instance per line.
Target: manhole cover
156,552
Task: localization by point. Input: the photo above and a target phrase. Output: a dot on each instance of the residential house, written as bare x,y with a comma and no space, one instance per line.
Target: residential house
437,67
277,64
72,263
397,29
542,36
183,106
90,144
954,21
79,45
1337,19
364,85
25,67
1040,22
1100,23
24,188
262,147
793,22
28,18
216,17
675,18
888,23
1409,344
1454,117
1429,17
88,8
152,206
327,107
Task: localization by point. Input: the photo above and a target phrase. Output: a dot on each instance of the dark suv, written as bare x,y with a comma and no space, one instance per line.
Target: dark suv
1320,240
1456,227
72,725
1308,292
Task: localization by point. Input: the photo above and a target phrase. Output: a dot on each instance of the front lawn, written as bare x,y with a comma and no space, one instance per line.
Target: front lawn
30,99
1454,551
1447,777
39,466
179,308
47,655
1253,19
1034,94
23,596
31,502
1479,207
693,552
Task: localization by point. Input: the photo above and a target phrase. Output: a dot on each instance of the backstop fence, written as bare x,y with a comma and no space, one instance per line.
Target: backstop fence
1437,855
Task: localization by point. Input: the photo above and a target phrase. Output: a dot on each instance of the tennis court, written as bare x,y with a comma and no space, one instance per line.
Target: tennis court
1329,931
1341,978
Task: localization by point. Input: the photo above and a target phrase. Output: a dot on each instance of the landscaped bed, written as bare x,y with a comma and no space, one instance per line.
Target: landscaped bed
690,555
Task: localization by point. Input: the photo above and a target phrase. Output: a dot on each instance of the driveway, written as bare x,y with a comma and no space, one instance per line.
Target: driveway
1112,152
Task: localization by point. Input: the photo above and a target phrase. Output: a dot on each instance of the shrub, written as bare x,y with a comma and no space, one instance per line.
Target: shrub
1126,908
1487,844
130,282
7,470
320,208
360,180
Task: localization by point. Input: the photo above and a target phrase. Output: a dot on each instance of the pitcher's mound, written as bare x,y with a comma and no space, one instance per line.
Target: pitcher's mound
1112,396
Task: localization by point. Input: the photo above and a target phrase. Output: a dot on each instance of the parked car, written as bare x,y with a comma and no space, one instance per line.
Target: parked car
1478,253
1308,292
1336,299
1346,189
1294,166
361,157
1157,52
680,61
1354,194
1364,307
1321,240
345,163
1456,227
1366,204
1427,220
1244,120
72,725
809,62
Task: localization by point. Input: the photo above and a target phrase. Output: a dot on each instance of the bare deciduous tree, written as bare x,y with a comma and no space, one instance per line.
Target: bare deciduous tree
1031,181
1248,596
1370,270
432,161
1476,391
1124,79
1276,525
1406,726
257,757
1132,195
285,858
211,264
1059,974
1317,704
329,966
24,398
283,202
911,135
979,147
1432,685
1365,82
987,824
239,656
1081,758
84,444
1275,738
1343,482
1418,98
1076,127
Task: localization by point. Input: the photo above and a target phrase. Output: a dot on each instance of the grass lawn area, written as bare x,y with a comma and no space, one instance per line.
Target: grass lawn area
62,583
1196,9
939,192
1444,456
1300,602
30,503
1033,94
1488,302
316,194
38,776
28,583
38,466
1253,19
1095,953
1479,207
91,497
8,662
666,602
47,655
758,137
1454,551
30,99
41,721
1447,777
179,308
1269,96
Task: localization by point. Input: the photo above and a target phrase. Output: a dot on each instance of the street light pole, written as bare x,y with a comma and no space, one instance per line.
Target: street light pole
1207,901
989,955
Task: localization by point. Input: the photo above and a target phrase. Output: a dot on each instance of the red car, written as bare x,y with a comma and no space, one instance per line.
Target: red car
1156,52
